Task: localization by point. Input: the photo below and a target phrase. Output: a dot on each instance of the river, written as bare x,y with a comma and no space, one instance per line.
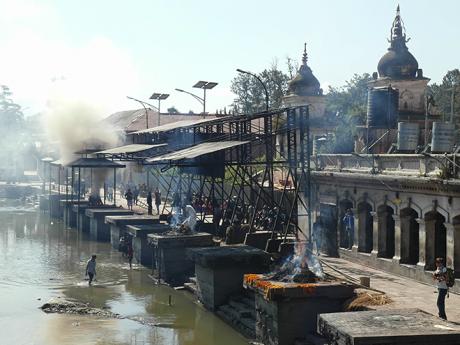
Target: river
40,259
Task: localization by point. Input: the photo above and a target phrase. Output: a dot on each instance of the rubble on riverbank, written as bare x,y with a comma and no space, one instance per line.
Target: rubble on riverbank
61,306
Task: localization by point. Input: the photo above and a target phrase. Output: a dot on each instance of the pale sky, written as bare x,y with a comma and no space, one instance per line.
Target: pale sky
109,49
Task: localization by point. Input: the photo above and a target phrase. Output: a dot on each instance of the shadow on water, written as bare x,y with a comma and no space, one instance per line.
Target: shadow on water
40,259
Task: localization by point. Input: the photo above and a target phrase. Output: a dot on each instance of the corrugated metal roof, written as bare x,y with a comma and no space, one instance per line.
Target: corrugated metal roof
196,151
133,148
95,163
178,124
58,162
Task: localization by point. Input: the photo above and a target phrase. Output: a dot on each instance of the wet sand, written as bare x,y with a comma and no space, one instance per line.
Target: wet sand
40,260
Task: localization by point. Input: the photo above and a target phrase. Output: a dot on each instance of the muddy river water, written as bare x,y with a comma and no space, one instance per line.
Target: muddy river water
40,260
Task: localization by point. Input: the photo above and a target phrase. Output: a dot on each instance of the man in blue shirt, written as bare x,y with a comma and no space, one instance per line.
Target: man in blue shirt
349,222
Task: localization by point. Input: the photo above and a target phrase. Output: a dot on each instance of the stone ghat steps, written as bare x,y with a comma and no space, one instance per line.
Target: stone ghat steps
240,313
191,286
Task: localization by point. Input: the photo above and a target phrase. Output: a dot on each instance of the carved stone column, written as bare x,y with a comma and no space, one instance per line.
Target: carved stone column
421,246
398,239
375,234
356,231
450,244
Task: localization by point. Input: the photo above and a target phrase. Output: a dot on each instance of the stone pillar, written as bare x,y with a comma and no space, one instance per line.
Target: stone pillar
356,232
398,238
421,246
456,261
450,244
375,234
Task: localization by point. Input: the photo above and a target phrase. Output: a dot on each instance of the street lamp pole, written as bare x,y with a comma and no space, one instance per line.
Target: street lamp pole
205,85
261,82
159,97
145,108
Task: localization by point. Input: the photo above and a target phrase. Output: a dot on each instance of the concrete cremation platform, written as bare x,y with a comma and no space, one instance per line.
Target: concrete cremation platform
286,312
143,252
170,260
98,229
220,270
56,211
82,218
70,217
118,225
388,327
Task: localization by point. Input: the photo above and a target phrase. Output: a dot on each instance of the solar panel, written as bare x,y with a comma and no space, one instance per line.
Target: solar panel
164,95
200,84
155,96
210,85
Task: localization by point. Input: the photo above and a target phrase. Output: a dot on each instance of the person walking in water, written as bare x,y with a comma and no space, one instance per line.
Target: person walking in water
149,203
349,222
129,198
130,255
91,269
440,278
157,200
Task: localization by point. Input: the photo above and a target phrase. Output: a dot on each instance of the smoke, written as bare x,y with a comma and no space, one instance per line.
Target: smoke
89,83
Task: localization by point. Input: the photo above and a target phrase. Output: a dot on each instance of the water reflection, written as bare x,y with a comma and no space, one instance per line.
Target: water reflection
40,259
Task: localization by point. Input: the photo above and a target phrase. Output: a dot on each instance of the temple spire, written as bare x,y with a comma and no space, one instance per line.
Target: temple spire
305,55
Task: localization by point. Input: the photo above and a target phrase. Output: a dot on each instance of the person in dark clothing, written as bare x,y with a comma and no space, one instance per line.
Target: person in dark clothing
135,195
130,255
349,222
129,199
149,202
157,200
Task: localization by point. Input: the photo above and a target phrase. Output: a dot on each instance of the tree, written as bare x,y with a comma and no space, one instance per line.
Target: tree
349,104
442,94
173,110
11,115
251,95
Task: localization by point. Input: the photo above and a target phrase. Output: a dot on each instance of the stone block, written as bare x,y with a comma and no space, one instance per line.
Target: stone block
118,225
171,261
99,230
257,239
143,252
220,270
388,327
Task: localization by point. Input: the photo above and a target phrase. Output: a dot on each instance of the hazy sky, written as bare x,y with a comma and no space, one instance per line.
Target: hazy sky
108,49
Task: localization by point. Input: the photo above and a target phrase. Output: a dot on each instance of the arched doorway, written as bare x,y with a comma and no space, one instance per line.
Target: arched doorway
409,236
435,242
328,219
365,227
386,232
344,205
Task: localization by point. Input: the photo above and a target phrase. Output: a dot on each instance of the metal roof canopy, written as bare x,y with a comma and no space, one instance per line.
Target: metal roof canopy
95,163
176,125
127,149
196,151
47,159
58,162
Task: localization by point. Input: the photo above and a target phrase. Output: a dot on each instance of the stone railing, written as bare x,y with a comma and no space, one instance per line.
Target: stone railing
433,165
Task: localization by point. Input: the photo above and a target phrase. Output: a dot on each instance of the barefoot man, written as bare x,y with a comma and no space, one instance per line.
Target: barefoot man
91,269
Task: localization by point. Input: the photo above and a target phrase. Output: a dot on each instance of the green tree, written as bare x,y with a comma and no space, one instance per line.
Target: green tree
251,95
173,110
442,94
349,105
11,115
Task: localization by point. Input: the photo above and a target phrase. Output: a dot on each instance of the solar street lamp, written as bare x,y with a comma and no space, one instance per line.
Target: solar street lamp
205,85
159,97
